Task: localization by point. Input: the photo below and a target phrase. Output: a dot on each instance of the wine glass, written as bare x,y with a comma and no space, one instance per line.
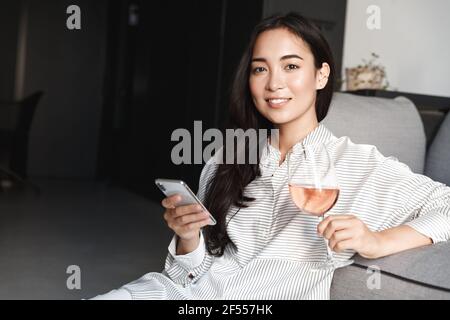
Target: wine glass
314,188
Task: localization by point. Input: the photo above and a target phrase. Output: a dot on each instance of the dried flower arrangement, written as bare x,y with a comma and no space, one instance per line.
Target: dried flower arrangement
367,76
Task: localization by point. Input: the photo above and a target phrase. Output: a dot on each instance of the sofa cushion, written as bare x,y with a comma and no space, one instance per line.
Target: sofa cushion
438,158
391,287
413,274
381,122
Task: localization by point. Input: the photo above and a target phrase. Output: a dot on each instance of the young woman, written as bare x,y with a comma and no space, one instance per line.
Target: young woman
262,247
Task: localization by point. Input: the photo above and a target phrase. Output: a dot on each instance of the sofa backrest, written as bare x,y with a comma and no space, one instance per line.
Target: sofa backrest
394,126
438,157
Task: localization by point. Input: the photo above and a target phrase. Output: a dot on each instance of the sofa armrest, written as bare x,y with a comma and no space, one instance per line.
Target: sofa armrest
421,273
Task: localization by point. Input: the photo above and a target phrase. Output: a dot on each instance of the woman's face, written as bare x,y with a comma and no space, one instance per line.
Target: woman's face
283,79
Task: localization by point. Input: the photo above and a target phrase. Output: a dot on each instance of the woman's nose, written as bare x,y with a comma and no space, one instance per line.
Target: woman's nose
275,82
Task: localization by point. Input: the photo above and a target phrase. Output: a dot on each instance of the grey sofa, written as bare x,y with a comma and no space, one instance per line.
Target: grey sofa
395,127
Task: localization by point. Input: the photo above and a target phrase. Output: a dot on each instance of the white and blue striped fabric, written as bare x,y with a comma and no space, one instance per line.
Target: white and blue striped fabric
277,245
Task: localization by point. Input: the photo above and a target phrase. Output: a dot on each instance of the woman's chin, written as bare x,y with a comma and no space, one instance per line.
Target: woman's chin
280,117
277,120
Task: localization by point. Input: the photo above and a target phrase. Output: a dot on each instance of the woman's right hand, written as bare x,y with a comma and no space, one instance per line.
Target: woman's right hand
186,221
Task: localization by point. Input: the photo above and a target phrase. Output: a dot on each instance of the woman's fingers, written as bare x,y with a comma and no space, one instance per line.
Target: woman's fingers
323,224
348,233
343,245
183,215
170,202
195,225
186,220
336,225
189,218
327,227
187,209
339,236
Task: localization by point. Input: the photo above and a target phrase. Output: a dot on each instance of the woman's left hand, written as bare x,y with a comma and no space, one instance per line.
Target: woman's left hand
348,232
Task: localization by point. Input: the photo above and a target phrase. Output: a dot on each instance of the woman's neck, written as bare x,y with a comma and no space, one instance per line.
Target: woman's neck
292,133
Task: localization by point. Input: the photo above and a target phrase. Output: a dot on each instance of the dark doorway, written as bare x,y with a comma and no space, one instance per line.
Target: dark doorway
170,65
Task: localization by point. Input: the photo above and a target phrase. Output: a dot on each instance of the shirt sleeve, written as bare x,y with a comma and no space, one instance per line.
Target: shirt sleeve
432,219
419,202
118,294
184,269
192,259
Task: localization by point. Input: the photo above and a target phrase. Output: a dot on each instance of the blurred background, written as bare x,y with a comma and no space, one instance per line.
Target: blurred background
86,116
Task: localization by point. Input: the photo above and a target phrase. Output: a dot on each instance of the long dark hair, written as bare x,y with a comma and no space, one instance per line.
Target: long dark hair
226,188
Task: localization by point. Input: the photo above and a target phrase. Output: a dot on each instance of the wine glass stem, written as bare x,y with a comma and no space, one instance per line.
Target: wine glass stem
329,251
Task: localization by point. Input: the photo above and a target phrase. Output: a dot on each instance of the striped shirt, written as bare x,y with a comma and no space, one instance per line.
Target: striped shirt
277,245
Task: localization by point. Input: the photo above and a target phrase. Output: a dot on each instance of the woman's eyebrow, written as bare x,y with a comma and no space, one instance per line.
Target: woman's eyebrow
289,56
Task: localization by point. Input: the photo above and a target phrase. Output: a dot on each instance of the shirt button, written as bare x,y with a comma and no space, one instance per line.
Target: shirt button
190,276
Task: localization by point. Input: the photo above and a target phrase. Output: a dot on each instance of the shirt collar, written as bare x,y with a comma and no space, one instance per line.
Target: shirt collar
319,134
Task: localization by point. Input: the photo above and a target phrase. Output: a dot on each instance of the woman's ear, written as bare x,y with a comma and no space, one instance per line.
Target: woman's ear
322,76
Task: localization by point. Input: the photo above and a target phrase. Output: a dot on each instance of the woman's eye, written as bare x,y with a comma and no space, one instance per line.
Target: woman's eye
258,70
291,67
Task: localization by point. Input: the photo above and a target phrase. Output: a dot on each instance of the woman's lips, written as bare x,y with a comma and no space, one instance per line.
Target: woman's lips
278,102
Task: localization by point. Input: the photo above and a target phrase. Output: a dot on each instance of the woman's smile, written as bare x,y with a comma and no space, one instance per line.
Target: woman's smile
277,102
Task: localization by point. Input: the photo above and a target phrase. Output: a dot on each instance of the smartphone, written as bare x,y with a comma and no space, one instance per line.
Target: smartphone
170,187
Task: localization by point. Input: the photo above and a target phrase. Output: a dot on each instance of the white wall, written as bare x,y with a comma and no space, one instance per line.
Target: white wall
413,43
